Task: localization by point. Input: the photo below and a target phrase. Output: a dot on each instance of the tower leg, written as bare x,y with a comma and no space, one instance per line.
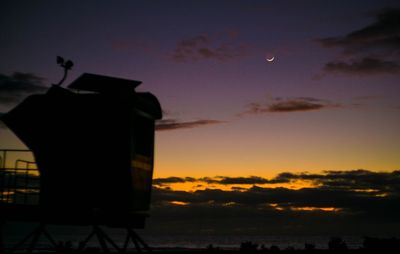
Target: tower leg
140,245
103,240
83,244
35,235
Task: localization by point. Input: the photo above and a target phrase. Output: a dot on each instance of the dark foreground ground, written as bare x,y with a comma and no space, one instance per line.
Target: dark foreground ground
358,251
335,245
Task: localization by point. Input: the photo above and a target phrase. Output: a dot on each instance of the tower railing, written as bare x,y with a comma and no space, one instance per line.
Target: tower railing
19,178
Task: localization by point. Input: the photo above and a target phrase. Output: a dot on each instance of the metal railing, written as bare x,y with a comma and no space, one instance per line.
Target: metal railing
19,178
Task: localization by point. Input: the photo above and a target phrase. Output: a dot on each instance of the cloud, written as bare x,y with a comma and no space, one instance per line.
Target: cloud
364,66
224,180
279,105
343,185
382,34
171,124
294,105
167,180
241,180
206,47
371,50
355,201
376,182
18,85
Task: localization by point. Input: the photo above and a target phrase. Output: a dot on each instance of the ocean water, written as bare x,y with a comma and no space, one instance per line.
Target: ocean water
14,233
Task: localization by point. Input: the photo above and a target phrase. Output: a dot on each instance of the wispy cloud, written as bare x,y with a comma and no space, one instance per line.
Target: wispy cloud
383,33
14,87
288,105
172,124
207,47
225,180
236,180
173,179
374,49
295,105
364,66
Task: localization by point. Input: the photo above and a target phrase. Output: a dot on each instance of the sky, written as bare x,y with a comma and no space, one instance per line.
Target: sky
321,119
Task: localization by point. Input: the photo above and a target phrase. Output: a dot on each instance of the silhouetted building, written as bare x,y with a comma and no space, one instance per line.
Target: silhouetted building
93,144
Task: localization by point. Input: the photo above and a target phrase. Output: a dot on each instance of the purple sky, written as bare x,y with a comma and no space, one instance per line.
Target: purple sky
205,60
329,101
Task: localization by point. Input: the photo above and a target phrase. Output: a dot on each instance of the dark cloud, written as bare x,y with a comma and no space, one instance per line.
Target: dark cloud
279,105
236,188
364,66
242,180
383,33
373,49
346,186
294,105
18,85
160,181
364,202
206,47
225,180
375,182
171,124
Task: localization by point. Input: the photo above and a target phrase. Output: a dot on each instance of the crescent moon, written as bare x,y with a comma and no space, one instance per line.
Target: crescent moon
270,59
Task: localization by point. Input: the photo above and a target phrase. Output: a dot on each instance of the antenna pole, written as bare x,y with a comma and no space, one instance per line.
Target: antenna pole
63,78
66,65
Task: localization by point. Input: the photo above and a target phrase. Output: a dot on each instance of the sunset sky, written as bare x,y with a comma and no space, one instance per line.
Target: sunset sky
327,106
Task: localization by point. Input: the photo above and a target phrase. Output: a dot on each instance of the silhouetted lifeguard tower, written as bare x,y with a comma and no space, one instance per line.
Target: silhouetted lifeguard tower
93,145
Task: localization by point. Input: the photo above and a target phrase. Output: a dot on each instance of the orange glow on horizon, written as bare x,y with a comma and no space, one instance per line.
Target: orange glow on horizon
178,203
311,208
199,185
276,207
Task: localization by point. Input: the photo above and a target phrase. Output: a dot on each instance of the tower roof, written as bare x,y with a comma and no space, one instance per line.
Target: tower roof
103,84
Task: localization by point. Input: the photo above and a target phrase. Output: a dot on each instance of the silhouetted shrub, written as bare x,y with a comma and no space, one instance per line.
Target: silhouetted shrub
309,246
92,250
263,248
382,245
337,244
274,249
64,247
211,248
248,247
